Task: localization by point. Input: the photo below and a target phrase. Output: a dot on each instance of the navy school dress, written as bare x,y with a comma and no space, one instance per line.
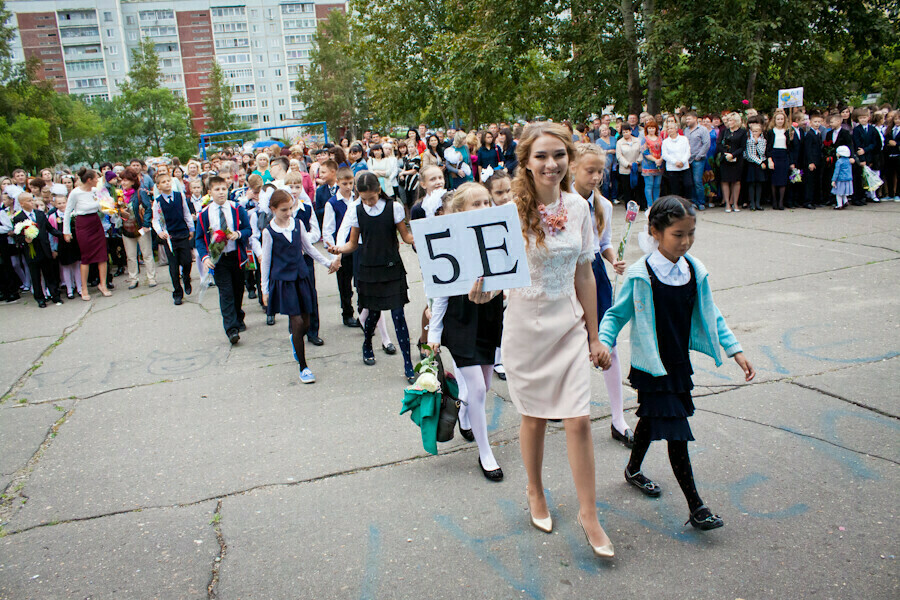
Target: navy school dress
290,283
381,276
665,402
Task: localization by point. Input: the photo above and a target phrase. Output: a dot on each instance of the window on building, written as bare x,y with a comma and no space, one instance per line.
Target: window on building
279,86
281,102
274,43
85,65
228,11
129,19
108,17
299,24
112,50
276,58
89,82
263,89
265,119
229,27
261,73
109,33
156,15
232,43
256,29
256,43
231,59
260,58
254,13
159,31
300,38
113,66
297,8
264,103
75,32
132,35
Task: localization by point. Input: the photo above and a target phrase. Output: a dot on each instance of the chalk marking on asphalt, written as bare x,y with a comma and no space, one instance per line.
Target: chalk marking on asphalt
19,383
843,399
212,591
800,434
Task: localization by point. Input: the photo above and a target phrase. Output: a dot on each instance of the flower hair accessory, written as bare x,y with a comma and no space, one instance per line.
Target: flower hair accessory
646,241
555,222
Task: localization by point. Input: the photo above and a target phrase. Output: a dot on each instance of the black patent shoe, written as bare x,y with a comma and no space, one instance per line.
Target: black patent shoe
646,486
351,322
270,319
368,354
467,434
704,519
495,475
315,340
626,438
389,349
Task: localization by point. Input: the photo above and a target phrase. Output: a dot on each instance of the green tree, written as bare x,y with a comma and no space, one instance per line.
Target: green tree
149,117
332,90
217,102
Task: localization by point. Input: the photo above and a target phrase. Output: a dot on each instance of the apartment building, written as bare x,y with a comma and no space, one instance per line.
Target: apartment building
262,45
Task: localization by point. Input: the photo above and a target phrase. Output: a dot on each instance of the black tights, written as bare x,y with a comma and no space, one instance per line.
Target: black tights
400,329
778,196
755,195
299,325
678,458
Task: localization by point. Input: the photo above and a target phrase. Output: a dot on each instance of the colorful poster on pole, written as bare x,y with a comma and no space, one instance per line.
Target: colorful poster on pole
790,98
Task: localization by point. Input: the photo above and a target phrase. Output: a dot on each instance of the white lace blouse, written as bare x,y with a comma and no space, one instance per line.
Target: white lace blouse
553,266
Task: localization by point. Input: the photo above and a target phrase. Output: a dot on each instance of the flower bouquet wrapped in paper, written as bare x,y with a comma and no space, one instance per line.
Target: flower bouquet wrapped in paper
796,175
25,232
218,239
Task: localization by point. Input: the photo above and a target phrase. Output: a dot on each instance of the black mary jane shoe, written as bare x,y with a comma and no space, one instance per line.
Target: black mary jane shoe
368,355
495,475
646,486
389,349
626,438
704,519
467,434
270,319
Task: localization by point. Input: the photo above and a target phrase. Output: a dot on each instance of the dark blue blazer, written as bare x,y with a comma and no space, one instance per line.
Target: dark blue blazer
812,148
868,139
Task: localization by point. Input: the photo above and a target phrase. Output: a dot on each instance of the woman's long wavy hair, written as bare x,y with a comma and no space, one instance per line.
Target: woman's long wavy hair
523,185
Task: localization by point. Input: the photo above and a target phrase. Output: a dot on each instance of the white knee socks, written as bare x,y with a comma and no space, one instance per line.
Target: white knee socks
613,379
381,327
477,380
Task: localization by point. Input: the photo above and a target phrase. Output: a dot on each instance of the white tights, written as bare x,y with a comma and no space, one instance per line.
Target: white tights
477,382
70,276
613,379
381,327
842,200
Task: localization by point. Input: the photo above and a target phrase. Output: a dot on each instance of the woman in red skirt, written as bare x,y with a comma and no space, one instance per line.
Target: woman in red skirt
84,205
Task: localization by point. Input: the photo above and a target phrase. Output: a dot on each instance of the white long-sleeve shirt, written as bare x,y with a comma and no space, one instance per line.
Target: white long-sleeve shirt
288,232
675,150
602,240
186,212
436,324
79,203
330,225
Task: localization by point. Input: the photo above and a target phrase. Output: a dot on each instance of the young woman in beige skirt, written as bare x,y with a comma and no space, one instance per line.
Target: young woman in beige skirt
550,335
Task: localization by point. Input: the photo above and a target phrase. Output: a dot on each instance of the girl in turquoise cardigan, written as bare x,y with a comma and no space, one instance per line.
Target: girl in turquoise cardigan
667,295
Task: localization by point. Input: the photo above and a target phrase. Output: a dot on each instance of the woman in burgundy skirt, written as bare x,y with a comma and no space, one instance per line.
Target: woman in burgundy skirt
85,207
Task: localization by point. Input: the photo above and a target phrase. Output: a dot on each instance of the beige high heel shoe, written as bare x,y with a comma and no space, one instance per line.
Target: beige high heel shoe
545,524
604,551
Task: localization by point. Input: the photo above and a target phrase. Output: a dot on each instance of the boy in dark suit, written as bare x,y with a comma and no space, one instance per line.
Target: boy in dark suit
176,229
868,145
220,214
38,255
812,152
326,191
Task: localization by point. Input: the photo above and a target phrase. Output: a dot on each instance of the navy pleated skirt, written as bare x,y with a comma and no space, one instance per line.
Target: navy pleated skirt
291,297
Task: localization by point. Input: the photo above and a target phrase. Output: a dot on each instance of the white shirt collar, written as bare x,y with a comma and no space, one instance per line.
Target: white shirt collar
288,229
666,268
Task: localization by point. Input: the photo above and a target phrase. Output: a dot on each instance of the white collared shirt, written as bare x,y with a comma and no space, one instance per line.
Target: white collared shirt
288,233
678,273
329,222
214,224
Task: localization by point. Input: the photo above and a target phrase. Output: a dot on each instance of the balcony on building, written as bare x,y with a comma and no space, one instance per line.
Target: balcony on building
155,17
75,18
79,35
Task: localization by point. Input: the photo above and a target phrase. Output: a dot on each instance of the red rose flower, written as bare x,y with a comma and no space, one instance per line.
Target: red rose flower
219,236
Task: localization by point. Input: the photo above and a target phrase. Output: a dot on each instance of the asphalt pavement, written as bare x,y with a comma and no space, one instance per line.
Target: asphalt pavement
141,456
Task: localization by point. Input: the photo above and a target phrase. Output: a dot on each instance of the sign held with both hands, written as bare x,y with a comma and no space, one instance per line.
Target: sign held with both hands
454,250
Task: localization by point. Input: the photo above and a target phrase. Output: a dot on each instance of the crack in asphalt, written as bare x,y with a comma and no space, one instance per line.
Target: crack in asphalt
212,591
883,413
19,383
789,277
799,434
803,235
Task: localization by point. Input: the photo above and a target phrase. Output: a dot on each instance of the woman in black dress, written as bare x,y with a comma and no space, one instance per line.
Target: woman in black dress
732,147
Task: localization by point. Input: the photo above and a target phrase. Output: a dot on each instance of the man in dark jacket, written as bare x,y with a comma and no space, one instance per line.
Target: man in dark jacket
38,254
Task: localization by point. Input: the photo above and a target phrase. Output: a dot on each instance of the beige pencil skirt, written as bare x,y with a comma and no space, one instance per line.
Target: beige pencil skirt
546,356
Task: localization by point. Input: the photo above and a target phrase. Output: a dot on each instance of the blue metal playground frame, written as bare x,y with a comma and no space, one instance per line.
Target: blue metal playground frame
205,137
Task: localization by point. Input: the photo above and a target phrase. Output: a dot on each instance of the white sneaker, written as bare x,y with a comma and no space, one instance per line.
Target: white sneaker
896,198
